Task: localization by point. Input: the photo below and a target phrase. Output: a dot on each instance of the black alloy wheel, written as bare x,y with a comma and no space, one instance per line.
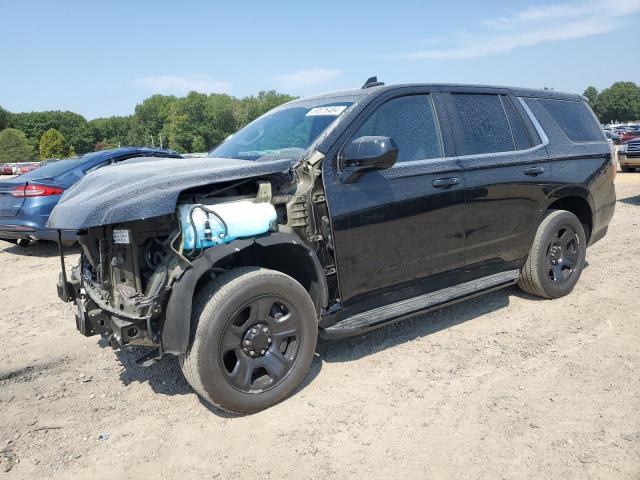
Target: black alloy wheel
556,257
253,338
260,344
562,254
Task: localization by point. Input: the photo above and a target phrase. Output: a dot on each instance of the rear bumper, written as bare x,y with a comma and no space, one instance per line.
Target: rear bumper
21,230
629,160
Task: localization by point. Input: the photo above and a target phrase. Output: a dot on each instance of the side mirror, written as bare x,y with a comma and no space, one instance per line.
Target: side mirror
365,154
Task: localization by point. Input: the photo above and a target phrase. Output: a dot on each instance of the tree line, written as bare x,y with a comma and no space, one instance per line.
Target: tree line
194,123
618,103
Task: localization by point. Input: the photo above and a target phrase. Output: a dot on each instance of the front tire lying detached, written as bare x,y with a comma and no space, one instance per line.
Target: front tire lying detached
253,336
556,257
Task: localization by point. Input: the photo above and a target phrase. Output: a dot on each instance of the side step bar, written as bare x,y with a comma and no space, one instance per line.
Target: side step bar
380,316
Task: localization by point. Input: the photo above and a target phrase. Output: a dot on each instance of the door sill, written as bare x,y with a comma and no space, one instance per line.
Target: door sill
380,316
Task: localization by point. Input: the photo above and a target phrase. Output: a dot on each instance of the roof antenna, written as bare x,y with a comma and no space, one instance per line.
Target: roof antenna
372,82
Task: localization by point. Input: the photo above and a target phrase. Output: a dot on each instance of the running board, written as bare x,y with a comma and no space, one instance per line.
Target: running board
377,317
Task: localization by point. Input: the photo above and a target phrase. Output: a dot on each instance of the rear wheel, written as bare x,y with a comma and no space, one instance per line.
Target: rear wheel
254,333
626,168
24,242
556,257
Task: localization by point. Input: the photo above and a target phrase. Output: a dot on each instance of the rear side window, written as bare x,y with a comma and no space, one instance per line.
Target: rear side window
574,118
482,125
411,122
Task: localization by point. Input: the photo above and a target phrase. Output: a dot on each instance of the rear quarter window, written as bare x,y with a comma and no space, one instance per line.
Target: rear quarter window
574,118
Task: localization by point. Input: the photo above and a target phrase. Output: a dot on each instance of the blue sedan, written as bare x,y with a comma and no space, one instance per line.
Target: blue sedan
27,200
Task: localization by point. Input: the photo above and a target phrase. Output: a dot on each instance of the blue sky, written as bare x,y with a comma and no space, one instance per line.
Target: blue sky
101,58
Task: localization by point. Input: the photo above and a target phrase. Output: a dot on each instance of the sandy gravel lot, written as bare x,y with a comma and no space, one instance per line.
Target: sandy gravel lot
503,386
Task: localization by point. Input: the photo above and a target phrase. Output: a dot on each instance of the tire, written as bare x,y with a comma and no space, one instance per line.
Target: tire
24,242
556,258
627,169
253,337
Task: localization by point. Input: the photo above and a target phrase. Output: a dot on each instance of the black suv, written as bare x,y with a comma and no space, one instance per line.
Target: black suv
330,216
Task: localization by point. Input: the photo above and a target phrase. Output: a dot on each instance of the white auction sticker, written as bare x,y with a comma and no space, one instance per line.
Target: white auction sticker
332,110
121,236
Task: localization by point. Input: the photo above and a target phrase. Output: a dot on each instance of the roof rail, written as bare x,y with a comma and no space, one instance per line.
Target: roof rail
372,82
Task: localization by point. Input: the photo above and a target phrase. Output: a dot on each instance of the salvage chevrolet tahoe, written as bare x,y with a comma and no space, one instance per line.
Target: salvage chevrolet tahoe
330,216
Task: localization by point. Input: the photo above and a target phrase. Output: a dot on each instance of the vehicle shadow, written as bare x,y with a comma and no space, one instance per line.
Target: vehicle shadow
38,249
635,201
419,326
166,378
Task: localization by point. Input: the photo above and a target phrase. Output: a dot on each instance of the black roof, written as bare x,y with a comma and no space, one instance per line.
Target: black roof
361,93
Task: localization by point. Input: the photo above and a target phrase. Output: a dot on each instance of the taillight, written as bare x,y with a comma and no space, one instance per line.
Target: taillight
36,191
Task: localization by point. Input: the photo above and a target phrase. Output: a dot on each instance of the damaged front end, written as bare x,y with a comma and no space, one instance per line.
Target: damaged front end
121,282
128,270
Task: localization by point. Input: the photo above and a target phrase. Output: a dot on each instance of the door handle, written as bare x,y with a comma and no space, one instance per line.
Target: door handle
445,182
533,171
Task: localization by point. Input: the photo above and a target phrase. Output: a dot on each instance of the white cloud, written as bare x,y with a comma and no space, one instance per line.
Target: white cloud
536,25
306,78
179,85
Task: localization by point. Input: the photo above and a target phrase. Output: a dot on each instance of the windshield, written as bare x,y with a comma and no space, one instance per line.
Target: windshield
284,133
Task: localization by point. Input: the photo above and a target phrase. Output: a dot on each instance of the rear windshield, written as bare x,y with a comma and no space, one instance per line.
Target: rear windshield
575,119
52,169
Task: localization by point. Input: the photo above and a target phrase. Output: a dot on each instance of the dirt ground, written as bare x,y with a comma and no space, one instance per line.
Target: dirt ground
502,386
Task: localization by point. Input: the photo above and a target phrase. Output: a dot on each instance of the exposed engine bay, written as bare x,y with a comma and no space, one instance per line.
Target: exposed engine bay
127,270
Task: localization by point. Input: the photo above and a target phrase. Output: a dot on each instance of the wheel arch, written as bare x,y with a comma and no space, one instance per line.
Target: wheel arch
575,200
281,251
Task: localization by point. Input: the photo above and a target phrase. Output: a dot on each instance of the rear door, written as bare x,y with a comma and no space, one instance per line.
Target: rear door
395,229
506,173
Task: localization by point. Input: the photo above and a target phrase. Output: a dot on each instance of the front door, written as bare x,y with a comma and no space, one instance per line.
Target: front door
393,229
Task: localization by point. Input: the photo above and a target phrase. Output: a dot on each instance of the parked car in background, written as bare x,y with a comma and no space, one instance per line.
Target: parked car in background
6,168
611,135
26,167
27,200
331,216
629,134
629,155
15,170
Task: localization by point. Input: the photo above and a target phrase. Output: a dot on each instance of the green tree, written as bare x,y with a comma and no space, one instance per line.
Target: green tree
592,95
14,146
250,108
4,118
73,126
52,144
619,102
197,145
113,131
150,118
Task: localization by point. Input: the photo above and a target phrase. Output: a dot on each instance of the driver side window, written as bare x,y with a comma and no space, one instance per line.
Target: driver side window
411,122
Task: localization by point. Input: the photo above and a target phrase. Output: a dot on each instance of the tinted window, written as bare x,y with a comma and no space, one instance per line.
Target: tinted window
482,125
518,130
411,122
574,118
